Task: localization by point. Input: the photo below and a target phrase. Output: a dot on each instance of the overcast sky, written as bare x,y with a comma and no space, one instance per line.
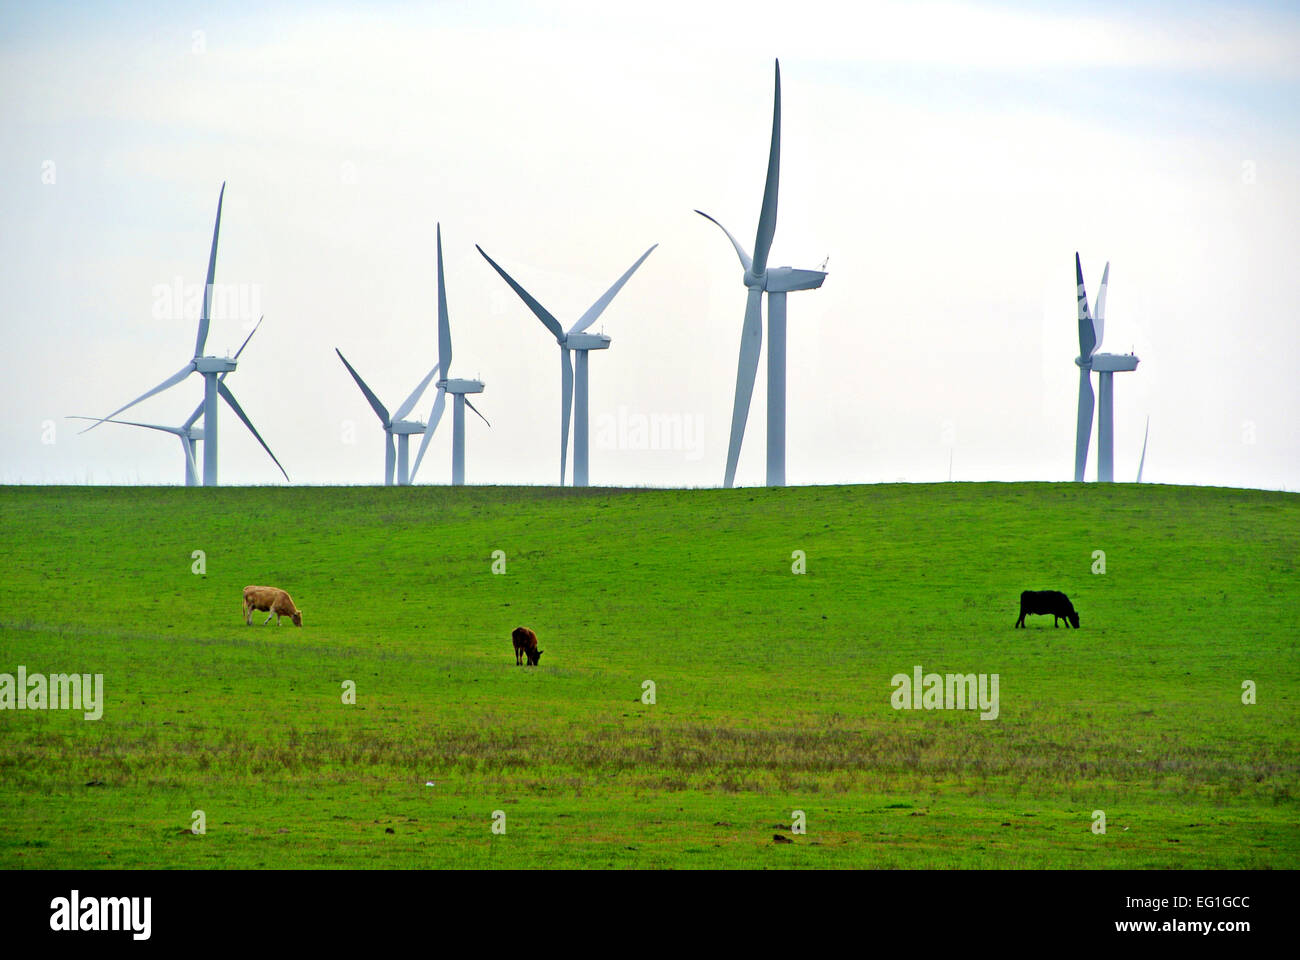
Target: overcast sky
948,158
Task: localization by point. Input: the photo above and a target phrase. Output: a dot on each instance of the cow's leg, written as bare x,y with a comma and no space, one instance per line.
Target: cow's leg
268,619
1055,621
248,615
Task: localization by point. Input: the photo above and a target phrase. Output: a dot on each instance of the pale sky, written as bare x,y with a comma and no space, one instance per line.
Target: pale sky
948,158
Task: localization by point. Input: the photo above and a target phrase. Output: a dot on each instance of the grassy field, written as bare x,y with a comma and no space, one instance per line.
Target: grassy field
772,688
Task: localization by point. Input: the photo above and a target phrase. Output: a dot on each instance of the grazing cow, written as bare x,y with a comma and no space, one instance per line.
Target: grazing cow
526,646
1048,603
273,599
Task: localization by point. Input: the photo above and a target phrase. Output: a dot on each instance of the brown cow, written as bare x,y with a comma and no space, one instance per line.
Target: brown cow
526,645
273,599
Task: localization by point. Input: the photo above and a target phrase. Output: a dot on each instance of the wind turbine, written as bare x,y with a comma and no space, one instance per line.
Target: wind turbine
189,434
213,370
1143,462
457,388
394,426
577,341
777,282
1106,365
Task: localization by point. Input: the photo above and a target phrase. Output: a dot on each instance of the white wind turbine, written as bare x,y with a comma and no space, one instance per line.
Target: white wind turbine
396,452
582,343
457,388
1091,330
212,368
776,282
189,434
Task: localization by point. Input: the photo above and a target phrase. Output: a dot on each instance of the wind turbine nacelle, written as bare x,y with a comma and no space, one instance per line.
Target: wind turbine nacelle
786,279
587,341
1113,362
213,364
462,386
405,428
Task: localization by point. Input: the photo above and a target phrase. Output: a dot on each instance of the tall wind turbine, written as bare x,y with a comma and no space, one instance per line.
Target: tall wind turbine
1106,365
396,452
582,343
213,370
189,434
777,282
1143,462
457,388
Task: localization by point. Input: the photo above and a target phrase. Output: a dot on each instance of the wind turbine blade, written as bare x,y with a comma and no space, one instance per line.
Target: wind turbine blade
767,217
597,308
193,468
751,343
409,403
1083,433
476,410
1099,318
1143,462
378,407
178,431
444,325
390,458
247,338
171,381
543,315
193,418
222,378
234,405
1087,331
206,318
434,416
745,260
566,407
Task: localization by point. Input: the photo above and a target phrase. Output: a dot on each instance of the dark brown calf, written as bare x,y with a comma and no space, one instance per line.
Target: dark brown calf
525,646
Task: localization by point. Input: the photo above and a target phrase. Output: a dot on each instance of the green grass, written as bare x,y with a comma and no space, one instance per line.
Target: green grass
773,689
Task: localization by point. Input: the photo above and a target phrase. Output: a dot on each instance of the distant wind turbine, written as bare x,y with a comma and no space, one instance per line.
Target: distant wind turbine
397,429
776,282
446,385
582,343
1106,365
212,368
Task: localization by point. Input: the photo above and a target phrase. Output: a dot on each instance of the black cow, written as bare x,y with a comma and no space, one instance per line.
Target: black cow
1048,603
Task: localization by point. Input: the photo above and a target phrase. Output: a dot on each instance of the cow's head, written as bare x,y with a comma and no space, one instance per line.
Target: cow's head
297,619
534,656
1073,618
